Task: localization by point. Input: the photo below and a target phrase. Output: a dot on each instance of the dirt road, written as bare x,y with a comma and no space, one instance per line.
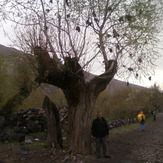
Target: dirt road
136,146
131,146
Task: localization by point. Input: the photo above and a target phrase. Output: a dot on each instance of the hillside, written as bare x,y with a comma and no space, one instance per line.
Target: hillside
115,85
46,89
8,50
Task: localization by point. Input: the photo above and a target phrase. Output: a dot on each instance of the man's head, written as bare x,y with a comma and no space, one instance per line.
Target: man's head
99,115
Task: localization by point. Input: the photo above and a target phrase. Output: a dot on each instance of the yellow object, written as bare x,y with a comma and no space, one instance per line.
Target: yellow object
141,117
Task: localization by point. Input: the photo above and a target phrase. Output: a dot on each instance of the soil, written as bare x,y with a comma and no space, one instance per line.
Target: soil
128,146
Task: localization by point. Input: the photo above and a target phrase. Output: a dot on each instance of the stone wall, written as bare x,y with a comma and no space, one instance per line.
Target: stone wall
34,120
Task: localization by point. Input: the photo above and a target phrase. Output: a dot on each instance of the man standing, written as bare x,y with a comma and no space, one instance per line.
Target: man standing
141,120
100,130
154,114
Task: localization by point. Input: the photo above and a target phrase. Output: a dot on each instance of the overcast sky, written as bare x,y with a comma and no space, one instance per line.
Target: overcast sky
156,79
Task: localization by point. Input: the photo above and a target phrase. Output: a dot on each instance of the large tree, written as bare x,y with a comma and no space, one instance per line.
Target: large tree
69,38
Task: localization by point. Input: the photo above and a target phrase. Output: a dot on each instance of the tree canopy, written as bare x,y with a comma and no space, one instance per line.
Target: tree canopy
91,31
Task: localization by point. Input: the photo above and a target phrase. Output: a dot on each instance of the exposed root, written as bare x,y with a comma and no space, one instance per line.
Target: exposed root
64,156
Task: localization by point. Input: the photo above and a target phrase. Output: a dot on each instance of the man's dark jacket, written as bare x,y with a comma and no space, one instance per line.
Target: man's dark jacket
100,128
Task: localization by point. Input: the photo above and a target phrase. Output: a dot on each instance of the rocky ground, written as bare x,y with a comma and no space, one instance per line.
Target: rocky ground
126,146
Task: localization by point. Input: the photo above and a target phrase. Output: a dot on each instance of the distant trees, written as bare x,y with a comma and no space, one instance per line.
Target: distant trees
67,37
156,97
127,102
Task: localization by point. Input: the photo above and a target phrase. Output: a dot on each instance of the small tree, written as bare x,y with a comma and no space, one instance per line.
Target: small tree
67,37
19,81
156,97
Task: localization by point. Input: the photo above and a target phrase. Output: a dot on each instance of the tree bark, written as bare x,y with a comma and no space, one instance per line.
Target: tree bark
54,137
80,124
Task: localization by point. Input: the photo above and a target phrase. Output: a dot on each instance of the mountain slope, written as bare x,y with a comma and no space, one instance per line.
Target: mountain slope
115,85
8,50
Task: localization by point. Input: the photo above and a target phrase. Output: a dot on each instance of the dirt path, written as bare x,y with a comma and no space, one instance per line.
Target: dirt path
132,146
136,146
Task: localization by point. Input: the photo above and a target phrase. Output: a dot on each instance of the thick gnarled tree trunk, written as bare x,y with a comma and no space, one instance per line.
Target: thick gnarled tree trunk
80,124
80,94
80,114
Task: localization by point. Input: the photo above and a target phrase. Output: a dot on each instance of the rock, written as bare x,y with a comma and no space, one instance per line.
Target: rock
28,139
36,139
121,122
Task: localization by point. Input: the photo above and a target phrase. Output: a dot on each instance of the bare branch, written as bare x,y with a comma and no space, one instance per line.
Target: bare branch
46,34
